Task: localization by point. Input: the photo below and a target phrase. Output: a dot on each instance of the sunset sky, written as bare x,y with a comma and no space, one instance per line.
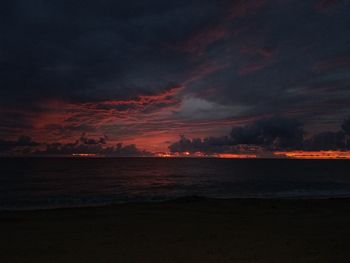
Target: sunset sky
85,76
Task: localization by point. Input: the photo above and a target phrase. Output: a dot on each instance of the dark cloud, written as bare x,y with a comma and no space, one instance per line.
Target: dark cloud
207,145
264,82
346,126
22,143
274,133
88,141
338,140
326,141
124,150
267,135
87,51
85,145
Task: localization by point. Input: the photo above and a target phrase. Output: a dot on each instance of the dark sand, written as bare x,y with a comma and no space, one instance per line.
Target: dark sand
182,231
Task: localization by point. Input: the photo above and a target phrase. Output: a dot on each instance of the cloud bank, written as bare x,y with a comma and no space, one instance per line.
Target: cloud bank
267,135
24,146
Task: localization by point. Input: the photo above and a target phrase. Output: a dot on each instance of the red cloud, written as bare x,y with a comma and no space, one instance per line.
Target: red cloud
59,120
141,103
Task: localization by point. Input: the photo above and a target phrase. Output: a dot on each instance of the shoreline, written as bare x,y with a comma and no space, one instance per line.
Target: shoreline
183,199
182,230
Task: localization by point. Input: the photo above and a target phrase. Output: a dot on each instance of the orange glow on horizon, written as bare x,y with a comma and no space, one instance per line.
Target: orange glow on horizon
164,155
201,154
292,154
84,154
236,156
322,155
183,154
315,154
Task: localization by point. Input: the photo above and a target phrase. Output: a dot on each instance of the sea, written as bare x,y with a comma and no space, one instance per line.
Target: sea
47,183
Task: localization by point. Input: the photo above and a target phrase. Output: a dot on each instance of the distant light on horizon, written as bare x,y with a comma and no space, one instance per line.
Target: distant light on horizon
322,155
84,154
314,154
236,156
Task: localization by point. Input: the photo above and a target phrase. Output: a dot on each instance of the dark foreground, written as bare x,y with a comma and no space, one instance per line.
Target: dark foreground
182,231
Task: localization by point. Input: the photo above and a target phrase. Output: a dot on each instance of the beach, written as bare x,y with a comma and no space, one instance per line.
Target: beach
183,230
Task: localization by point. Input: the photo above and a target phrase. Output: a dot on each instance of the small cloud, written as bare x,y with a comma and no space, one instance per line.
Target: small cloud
326,141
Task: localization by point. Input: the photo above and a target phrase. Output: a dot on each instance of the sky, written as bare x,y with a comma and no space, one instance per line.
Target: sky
142,77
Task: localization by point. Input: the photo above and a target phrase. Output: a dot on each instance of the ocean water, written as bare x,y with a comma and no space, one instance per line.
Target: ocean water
42,183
